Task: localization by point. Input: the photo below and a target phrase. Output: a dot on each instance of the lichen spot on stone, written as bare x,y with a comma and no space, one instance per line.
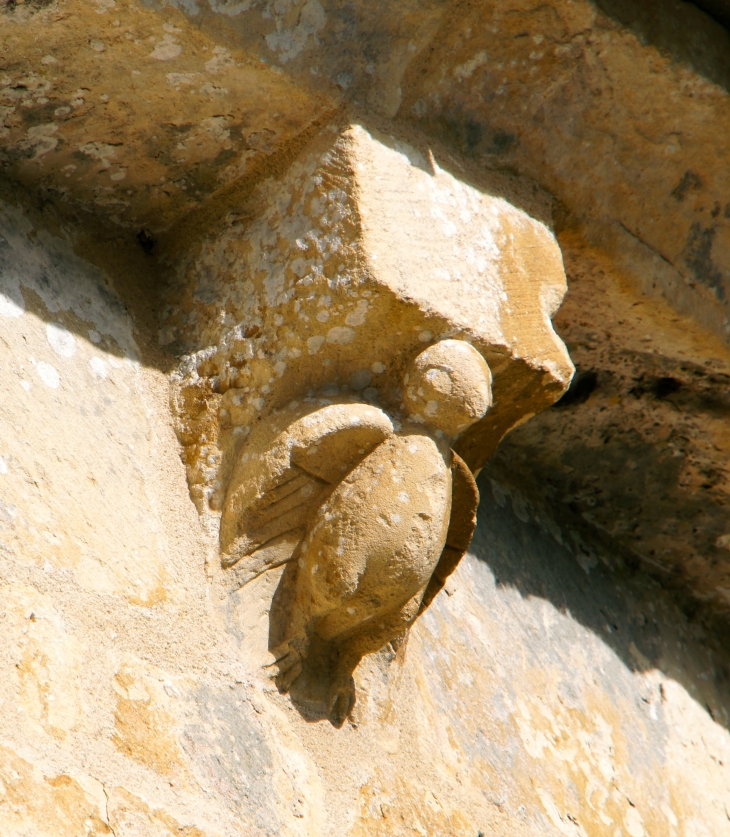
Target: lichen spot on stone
48,374
61,340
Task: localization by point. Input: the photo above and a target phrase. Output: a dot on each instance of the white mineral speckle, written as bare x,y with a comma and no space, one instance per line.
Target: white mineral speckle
425,336
378,367
94,336
341,335
3,466
288,43
357,317
99,367
61,340
48,375
178,80
25,385
222,57
315,344
166,49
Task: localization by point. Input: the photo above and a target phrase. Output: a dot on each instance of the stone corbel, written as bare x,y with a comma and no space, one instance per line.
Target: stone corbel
367,340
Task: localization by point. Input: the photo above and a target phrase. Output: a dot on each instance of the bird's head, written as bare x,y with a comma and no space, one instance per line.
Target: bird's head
448,386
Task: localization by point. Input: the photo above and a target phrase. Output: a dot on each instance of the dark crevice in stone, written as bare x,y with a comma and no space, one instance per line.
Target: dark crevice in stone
583,385
717,9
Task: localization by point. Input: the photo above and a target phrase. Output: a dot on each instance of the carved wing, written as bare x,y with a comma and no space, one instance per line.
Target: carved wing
464,503
276,486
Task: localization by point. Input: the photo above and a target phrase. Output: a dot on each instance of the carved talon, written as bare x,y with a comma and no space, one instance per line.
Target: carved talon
288,668
341,701
355,583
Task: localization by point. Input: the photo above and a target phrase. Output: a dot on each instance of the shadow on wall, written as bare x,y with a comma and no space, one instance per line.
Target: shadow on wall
43,244
679,29
626,609
80,275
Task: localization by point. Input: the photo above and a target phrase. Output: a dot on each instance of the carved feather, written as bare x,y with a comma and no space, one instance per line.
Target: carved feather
273,493
464,504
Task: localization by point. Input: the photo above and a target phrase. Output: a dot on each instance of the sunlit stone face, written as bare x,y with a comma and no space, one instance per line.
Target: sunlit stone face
448,386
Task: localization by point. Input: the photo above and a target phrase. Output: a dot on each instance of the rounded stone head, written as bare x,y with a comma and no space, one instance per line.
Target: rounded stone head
448,386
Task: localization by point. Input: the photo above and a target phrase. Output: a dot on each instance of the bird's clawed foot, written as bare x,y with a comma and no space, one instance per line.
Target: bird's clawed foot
341,700
287,668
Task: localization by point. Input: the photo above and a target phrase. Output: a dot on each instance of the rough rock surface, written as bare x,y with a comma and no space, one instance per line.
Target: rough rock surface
363,270
362,231
542,693
552,687
139,114
640,446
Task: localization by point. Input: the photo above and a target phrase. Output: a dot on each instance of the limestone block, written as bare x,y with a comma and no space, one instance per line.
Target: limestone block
145,716
48,805
491,85
363,253
130,816
540,694
351,329
72,493
48,660
75,114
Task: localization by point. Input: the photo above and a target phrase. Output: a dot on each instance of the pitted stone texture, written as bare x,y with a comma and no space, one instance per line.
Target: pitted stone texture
639,449
448,386
364,513
139,112
613,107
363,254
618,109
539,694
69,361
134,114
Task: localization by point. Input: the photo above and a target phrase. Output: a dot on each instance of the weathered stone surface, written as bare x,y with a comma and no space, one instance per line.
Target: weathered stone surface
639,449
542,692
117,109
297,306
551,688
618,110
71,362
613,107
364,251
552,90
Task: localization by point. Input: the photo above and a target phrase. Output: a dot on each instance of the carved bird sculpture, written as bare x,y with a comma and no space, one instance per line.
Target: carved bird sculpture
372,518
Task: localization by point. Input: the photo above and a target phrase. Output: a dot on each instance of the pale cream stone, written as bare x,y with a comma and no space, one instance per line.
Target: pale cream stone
130,816
145,717
511,710
365,249
49,661
32,802
398,253
363,510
